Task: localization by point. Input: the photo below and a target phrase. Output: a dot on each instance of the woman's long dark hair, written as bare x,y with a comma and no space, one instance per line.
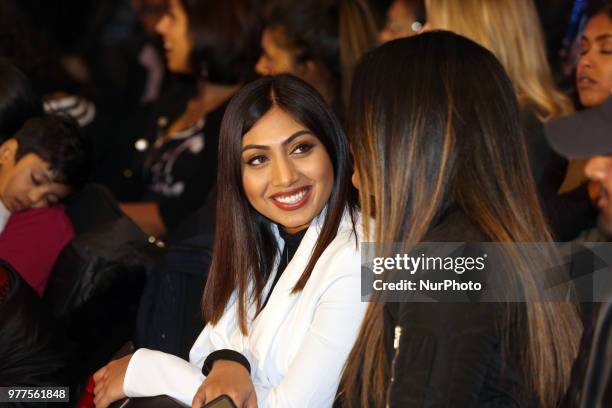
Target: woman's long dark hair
434,123
245,247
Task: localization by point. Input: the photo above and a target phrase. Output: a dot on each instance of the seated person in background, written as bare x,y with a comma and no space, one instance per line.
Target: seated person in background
594,70
318,41
214,43
594,85
45,161
587,134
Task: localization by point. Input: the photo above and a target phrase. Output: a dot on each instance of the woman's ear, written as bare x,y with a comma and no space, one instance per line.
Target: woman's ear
8,150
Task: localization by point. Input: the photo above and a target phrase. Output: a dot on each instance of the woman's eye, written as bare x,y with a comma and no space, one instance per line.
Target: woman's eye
256,161
303,148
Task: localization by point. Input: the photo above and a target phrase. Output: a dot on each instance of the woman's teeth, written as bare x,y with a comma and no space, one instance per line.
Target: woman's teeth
292,199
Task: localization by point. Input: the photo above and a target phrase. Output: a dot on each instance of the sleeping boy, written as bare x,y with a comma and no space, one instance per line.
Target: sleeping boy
44,162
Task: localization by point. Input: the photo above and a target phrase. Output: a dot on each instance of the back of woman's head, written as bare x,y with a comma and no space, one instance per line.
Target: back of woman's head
18,101
436,118
434,125
240,229
225,39
511,30
332,33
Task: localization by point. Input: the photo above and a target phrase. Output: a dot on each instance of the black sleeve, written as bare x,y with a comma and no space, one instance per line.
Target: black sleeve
225,354
445,353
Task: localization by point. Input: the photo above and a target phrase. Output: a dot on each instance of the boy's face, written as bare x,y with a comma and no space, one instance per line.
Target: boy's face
27,183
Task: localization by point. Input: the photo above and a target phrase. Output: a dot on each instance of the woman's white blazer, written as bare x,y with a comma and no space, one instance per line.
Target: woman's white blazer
296,346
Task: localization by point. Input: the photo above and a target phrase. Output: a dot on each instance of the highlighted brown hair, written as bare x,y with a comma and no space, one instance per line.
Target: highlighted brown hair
435,123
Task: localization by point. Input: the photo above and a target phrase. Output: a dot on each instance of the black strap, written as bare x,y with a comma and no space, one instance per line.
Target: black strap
225,354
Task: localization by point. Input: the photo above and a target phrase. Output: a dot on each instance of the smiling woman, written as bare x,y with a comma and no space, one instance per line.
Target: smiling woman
288,175
282,300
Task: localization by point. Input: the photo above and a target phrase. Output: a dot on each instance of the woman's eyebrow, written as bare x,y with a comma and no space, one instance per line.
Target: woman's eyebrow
284,143
604,36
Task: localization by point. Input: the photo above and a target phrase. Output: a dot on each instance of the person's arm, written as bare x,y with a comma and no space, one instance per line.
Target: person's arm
445,353
146,373
147,216
155,373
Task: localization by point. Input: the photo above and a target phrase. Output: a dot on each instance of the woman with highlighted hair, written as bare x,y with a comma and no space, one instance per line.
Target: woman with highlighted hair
452,167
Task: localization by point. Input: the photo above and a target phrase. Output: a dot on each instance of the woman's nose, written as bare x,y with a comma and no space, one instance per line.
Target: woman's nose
162,24
284,173
262,66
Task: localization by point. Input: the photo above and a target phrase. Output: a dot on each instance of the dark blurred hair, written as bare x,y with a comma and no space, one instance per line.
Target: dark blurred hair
226,37
434,119
600,7
242,230
58,140
332,33
18,101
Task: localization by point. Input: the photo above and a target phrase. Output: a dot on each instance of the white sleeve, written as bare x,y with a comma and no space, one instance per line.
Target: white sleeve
153,373
314,374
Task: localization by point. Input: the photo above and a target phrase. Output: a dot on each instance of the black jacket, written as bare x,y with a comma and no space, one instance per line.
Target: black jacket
33,348
449,354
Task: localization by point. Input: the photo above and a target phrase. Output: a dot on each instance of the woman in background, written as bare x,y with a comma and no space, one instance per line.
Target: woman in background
216,43
459,150
319,41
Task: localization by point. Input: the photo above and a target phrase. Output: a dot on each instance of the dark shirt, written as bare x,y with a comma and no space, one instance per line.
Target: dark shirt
181,170
292,242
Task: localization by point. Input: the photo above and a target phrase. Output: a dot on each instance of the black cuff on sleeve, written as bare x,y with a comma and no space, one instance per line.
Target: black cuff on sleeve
224,354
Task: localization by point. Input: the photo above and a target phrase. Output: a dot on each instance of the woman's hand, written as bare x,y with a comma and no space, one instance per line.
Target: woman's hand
109,382
229,378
